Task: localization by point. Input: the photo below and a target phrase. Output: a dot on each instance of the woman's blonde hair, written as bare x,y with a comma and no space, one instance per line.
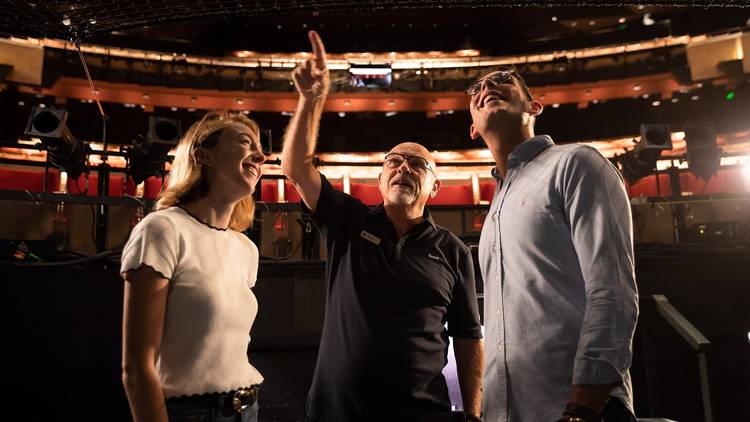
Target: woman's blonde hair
186,179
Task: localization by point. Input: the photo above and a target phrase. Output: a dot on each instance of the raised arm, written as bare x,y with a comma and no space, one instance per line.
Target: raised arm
312,82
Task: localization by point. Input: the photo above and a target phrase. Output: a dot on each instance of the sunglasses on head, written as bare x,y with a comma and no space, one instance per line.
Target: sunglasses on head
501,77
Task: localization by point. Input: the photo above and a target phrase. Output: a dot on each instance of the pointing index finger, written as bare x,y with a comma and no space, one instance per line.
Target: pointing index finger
318,49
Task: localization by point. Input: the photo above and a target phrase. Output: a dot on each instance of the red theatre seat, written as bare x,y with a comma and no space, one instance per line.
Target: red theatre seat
291,194
30,180
453,195
737,180
116,185
728,180
152,187
487,190
269,190
647,187
367,193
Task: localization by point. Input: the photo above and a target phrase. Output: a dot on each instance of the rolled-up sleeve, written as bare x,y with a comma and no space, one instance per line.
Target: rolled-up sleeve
599,214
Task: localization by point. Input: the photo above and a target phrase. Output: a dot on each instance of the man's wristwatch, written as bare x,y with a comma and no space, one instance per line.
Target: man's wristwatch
568,418
472,418
578,413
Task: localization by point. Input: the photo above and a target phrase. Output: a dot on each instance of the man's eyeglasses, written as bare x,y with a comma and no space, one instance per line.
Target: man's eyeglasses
394,160
501,77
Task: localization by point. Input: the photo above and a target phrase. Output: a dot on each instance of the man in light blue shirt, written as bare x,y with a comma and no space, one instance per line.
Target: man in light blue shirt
556,255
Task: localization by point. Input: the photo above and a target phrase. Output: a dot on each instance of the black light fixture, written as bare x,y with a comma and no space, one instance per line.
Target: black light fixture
149,153
266,141
641,160
704,156
64,151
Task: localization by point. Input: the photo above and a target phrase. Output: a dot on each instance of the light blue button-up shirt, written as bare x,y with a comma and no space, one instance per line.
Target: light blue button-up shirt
560,300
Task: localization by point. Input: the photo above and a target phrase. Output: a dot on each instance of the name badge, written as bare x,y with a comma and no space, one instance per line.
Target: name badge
371,237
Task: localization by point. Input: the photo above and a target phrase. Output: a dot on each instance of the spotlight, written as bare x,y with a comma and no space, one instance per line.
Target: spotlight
704,156
148,155
64,151
641,160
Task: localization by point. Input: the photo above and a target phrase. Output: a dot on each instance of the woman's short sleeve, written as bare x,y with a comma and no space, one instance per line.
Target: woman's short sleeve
153,242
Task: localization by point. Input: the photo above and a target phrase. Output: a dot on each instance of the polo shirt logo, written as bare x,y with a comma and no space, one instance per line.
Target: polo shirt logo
371,237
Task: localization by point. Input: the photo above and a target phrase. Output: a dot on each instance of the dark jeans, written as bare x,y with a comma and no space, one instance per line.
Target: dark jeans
191,412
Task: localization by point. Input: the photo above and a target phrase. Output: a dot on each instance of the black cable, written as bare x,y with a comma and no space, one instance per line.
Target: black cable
69,263
282,258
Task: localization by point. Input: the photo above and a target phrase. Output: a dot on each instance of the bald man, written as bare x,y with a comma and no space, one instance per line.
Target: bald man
394,279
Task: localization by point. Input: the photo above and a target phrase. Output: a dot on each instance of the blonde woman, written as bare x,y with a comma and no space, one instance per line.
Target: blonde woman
189,271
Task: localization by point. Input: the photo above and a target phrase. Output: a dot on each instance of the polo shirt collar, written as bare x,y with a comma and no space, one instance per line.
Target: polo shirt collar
380,209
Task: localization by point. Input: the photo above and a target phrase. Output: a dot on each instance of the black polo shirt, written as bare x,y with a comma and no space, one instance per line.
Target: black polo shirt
384,342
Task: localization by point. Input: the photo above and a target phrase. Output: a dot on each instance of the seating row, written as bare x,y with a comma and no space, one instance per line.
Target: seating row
730,180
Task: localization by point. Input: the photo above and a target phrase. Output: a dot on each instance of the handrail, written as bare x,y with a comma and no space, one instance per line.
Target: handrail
686,329
697,341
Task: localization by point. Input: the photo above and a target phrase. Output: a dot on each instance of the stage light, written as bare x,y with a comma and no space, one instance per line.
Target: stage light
148,154
641,160
704,156
64,151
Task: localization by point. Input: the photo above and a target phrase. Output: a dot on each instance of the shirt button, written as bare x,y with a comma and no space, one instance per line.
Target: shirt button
494,247
498,312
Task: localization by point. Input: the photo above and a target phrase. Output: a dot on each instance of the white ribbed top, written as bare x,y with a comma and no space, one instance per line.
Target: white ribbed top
210,304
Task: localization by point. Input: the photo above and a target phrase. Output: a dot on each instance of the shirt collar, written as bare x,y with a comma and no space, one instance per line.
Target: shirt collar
380,209
525,152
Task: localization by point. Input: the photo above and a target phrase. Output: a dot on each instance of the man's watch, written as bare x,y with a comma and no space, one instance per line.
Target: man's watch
570,418
577,413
